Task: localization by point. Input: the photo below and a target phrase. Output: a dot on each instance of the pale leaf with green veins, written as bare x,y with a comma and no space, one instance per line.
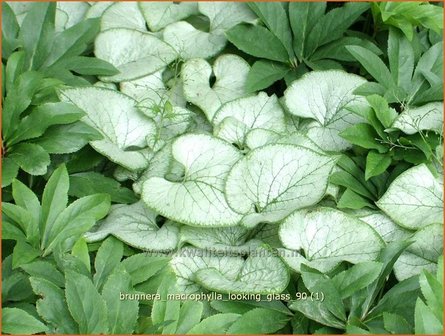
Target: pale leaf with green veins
414,199
190,42
231,74
423,118
123,15
135,54
422,254
272,181
188,261
197,198
260,111
117,118
136,225
386,228
75,11
328,236
97,9
160,14
325,97
231,239
262,272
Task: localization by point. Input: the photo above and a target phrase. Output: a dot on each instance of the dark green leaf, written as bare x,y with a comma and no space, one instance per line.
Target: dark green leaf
345,179
108,257
84,184
363,135
257,41
373,64
18,321
263,74
37,33
122,314
401,59
303,16
45,270
10,29
67,138
376,164
352,200
52,306
396,324
337,49
215,324
143,266
357,277
9,171
259,321
23,254
87,307
275,18
90,66
32,158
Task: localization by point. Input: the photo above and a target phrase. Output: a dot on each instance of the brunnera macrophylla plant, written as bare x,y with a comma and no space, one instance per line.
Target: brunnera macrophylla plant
222,167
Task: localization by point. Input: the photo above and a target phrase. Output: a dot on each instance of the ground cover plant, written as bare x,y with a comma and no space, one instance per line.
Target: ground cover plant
222,168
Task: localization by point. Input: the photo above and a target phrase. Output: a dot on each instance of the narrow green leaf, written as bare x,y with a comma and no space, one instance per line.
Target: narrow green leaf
108,257
23,253
18,321
32,158
376,164
9,171
263,74
363,135
373,64
257,41
122,314
45,270
351,200
396,324
275,18
86,306
90,66
259,321
189,316
54,199
80,250
215,324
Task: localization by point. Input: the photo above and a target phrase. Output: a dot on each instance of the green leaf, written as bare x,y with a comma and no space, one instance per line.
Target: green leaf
258,41
373,64
10,29
401,59
303,16
363,135
87,183
396,324
80,250
90,66
14,67
332,25
108,257
425,321
143,266
45,270
52,306
23,253
189,316
382,111
357,277
25,198
347,180
351,200
350,239
262,192
67,138
37,33
86,306
122,314
376,164
414,199
430,286
32,158
215,324
263,74
18,321
9,171
259,321
75,220
275,18
44,116
54,199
